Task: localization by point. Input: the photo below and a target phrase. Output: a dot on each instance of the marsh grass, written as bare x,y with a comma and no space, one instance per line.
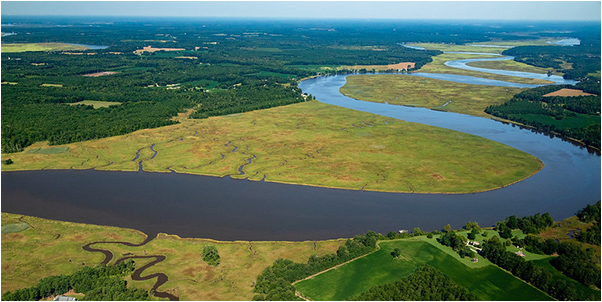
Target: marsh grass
37,252
51,247
428,93
511,65
308,143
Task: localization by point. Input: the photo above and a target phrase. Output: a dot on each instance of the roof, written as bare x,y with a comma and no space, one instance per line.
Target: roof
64,298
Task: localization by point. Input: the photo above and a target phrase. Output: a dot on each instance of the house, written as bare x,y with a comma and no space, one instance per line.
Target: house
520,253
64,298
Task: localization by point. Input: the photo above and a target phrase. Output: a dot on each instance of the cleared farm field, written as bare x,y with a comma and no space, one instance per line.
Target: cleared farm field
488,282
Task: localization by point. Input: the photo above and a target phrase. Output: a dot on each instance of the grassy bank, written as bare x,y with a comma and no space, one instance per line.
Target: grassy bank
309,143
427,93
51,247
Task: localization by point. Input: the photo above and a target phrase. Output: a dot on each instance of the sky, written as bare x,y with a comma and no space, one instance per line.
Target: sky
408,10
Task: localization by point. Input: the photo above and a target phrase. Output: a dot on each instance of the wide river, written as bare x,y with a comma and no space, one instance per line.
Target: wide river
228,209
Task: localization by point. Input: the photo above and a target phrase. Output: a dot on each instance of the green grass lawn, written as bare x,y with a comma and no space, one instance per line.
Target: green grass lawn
483,279
427,93
308,143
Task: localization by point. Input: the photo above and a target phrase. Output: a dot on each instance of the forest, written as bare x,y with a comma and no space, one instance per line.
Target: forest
223,70
576,117
101,283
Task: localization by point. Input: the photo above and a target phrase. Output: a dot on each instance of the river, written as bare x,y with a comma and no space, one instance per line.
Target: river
229,209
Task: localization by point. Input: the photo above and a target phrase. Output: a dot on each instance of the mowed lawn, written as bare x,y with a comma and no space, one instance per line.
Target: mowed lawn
308,143
428,93
483,279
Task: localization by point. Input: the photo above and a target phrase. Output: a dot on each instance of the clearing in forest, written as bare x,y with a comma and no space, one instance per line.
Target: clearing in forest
96,104
568,92
153,49
99,74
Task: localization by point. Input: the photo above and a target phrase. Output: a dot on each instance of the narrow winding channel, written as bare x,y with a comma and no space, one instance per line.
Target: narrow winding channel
230,209
137,274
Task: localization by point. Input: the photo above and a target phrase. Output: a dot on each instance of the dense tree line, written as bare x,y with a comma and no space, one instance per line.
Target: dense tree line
97,283
530,107
590,213
533,224
576,262
274,283
425,284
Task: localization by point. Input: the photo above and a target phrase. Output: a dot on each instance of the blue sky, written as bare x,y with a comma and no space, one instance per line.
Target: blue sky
474,10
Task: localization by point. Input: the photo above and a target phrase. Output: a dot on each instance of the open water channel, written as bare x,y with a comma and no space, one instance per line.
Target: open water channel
229,209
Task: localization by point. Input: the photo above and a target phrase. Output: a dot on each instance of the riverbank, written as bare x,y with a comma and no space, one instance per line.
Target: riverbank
307,144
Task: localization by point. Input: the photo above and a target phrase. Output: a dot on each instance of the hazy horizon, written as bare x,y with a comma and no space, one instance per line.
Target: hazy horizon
390,10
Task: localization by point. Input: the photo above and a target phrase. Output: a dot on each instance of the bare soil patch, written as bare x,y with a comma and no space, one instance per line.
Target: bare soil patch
153,49
100,74
402,65
568,92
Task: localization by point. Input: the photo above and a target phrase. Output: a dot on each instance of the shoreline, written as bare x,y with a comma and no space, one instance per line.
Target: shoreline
171,171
